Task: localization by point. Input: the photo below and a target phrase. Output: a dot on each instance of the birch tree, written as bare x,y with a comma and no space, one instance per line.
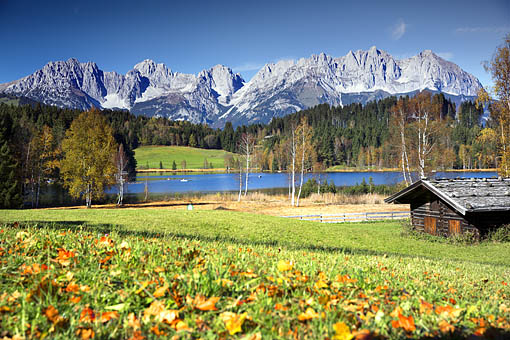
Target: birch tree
120,175
293,153
304,150
424,115
246,147
400,114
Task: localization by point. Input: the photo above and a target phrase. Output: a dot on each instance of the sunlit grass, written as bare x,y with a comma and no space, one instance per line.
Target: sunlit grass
214,274
194,157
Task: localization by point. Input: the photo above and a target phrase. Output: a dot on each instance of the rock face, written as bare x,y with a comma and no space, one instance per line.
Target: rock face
218,95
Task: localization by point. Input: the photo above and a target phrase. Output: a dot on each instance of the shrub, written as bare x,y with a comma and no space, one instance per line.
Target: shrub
501,234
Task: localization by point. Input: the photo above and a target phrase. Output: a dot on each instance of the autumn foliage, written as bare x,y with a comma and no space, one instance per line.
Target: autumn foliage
83,283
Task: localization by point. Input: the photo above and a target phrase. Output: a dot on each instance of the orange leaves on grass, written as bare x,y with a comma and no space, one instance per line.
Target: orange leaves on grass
202,303
158,310
105,242
87,315
407,323
448,311
342,331
64,257
160,291
308,315
320,284
426,308
446,327
345,279
35,268
161,314
233,322
85,333
51,313
72,287
279,306
284,266
75,299
107,316
132,322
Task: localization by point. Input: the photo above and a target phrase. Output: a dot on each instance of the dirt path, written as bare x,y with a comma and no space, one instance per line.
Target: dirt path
275,206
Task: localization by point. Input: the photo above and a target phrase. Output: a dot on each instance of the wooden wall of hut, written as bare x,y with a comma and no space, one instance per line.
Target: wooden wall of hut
437,218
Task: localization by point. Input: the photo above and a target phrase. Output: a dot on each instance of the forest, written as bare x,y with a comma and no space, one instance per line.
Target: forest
353,136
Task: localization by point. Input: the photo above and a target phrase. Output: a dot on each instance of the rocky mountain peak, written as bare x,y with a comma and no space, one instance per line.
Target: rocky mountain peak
218,94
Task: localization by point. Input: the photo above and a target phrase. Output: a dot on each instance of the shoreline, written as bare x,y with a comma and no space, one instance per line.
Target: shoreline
224,170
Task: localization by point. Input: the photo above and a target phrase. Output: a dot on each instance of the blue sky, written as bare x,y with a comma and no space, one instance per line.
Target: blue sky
189,36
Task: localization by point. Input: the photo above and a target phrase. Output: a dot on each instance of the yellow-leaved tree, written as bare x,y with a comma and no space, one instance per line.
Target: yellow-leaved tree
499,68
88,165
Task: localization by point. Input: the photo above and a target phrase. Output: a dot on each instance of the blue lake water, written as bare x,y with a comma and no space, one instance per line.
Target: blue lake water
230,182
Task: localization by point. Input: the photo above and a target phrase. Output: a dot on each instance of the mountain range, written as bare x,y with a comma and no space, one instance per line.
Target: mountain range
218,95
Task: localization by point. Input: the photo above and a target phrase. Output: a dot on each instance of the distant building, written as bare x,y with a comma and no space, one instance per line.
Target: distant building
453,206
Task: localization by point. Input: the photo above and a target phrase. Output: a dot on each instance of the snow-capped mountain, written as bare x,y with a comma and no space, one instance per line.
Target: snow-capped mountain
218,95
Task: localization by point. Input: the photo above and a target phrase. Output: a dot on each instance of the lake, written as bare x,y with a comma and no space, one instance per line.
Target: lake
205,183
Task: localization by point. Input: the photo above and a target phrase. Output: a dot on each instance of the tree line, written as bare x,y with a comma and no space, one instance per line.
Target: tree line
312,139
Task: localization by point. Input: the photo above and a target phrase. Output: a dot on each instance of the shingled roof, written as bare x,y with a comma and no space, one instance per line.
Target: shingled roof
466,195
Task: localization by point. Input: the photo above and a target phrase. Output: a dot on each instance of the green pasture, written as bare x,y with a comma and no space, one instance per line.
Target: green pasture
194,157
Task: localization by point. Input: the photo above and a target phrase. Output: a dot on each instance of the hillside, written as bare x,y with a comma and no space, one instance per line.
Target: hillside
150,156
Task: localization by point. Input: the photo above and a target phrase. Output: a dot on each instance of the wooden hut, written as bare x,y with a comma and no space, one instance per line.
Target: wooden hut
454,206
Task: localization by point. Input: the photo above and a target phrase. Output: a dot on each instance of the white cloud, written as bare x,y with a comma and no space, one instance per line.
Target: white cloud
483,29
445,55
399,29
247,67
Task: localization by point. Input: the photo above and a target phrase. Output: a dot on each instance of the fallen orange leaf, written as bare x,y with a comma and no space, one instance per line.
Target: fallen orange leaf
202,303
233,322
309,314
342,331
107,316
161,291
320,284
72,287
284,265
87,315
407,323
85,333
446,327
132,321
64,257
52,315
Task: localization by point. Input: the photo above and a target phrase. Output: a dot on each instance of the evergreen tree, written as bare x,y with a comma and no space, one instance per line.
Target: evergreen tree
174,165
10,188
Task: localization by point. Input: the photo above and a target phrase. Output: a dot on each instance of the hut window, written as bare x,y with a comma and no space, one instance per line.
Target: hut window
430,225
454,227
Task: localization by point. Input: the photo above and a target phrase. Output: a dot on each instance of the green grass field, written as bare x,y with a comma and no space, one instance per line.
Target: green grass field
167,154
123,273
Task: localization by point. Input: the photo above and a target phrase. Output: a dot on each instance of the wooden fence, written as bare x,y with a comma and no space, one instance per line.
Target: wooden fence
354,217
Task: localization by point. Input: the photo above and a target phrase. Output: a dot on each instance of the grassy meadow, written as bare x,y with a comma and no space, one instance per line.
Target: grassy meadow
147,273
194,157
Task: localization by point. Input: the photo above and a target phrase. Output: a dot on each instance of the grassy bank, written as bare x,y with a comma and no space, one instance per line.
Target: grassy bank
150,156
215,274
